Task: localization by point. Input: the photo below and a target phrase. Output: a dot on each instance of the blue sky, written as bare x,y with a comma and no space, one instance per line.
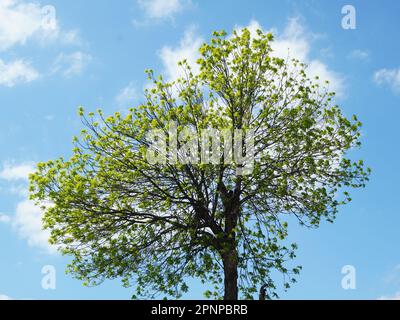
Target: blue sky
93,53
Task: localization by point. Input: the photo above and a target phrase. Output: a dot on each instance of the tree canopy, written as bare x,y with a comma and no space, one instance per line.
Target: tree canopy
158,223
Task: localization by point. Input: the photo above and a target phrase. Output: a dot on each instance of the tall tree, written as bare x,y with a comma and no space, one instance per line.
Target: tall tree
125,205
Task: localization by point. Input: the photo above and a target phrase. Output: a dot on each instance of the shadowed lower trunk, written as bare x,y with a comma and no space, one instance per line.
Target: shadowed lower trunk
230,261
229,251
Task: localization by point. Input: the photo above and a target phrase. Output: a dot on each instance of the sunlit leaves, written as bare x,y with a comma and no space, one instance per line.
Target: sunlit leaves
156,225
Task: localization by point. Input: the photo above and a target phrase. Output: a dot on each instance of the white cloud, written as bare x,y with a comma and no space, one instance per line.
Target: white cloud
27,220
4,297
395,296
388,77
21,21
187,49
127,95
4,218
15,72
295,42
359,54
318,68
158,9
71,64
18,22
16,172
28,224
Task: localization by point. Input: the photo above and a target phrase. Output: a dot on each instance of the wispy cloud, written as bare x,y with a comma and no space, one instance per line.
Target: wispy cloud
395,296
389,78
160,9
4,218
16,72
127,95
16,172
359,54
72,64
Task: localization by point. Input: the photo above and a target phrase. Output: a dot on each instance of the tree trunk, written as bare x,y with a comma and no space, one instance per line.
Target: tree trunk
263,292
230,261
230,252
230,258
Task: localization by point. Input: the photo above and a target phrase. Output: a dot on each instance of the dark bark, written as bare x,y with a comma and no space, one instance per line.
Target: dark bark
230,262
263,292
230,254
